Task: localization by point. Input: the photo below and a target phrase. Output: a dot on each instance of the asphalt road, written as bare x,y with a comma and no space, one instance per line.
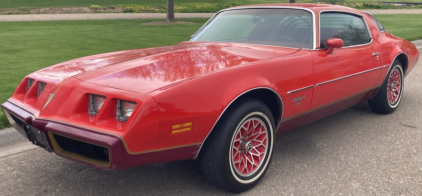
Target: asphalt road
111,16
354,152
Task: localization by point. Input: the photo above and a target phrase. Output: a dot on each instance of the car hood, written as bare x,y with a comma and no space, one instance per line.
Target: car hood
145,70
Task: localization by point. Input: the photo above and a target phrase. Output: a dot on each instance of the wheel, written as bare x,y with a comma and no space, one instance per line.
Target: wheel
238,152
388,97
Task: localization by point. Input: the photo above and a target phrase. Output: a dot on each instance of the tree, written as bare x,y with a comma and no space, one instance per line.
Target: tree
170,11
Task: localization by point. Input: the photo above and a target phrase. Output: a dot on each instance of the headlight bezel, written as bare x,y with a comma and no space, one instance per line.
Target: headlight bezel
41,87
93,108
121,114
29,83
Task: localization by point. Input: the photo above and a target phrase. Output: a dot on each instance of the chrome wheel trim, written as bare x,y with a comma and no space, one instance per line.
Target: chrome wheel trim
395,85
270,139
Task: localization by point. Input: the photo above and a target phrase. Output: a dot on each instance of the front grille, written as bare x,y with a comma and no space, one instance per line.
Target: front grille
84,149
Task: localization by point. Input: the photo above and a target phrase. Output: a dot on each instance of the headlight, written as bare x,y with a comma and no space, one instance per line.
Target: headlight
95,103
29,83
41,86
124,110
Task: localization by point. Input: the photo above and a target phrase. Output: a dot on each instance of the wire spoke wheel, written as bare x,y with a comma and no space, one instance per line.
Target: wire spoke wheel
249,146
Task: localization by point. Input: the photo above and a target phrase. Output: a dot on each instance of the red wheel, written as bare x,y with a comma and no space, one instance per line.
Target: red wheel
249,147
238,152
388,97
394,87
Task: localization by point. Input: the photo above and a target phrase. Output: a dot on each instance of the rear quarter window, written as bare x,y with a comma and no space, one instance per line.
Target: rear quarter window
379,25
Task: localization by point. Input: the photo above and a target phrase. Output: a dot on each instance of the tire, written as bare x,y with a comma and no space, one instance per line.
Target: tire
389,95
227,146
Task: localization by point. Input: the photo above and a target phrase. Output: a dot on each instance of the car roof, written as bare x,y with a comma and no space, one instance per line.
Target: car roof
316,8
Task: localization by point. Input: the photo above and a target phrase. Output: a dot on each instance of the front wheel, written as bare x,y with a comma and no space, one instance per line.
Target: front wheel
389,96
238,152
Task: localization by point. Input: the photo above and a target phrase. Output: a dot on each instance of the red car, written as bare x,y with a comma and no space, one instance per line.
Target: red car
249,73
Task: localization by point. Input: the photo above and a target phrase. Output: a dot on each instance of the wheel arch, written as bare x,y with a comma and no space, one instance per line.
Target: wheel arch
265,94
404,60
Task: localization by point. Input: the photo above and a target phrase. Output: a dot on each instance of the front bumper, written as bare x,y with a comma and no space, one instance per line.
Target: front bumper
86,146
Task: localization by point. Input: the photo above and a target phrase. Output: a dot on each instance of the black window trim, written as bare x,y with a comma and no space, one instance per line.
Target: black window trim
345,12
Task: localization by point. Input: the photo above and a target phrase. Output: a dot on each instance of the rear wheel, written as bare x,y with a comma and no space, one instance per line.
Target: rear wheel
238,152
389,96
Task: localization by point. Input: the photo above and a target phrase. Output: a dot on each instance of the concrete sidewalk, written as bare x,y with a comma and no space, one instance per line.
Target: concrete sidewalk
113,16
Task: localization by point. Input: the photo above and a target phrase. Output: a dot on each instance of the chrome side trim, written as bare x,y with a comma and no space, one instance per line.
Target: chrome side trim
267,7
293,91
349,76
228,105
352,13
386,65
328,104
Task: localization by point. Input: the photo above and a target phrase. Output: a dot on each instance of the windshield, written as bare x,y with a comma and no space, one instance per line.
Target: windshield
277,27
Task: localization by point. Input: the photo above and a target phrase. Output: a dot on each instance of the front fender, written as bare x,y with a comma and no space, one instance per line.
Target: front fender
188,111
201,103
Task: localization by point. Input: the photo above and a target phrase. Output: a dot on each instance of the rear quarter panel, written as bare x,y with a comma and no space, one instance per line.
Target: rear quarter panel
390,47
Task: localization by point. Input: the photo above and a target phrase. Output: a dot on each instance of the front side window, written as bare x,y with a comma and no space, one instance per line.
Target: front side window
277,27
350,28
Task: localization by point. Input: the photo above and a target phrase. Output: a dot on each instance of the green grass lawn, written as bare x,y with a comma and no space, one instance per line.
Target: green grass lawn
402,25
23,6
29,46
82,3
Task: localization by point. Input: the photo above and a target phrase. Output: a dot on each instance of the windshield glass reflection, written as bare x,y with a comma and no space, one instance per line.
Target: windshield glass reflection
277,27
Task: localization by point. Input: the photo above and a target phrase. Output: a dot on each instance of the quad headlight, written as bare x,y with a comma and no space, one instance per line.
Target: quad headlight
29,83
95,103
124,110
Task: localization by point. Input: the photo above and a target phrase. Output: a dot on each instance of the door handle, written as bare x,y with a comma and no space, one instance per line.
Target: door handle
375,53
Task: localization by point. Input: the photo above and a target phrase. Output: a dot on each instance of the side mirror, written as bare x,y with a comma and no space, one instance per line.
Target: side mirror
334,43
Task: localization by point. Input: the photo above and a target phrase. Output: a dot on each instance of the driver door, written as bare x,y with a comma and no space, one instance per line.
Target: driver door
349,72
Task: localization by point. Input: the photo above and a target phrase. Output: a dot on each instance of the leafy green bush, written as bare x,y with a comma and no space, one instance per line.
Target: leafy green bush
95,7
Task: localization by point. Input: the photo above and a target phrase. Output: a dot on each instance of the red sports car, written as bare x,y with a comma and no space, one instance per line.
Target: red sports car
249,73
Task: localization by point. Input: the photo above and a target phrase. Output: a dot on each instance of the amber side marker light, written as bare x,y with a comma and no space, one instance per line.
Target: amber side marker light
181,127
